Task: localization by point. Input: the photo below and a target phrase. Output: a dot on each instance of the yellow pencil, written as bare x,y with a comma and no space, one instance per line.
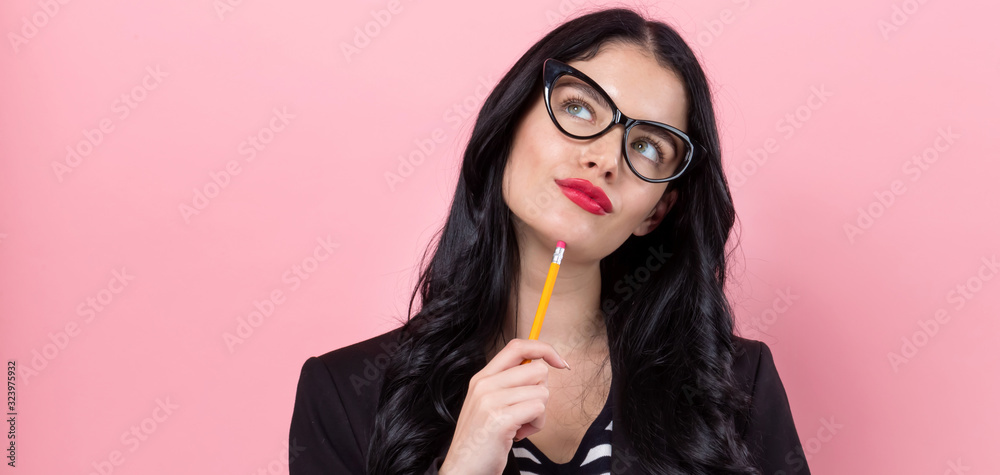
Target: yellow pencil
543,304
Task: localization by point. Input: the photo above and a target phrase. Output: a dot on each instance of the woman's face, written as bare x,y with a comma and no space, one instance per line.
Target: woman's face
542,157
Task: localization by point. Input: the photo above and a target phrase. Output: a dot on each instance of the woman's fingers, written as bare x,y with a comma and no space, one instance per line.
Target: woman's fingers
519,349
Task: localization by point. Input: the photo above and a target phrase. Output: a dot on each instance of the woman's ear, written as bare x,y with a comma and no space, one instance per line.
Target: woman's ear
657,213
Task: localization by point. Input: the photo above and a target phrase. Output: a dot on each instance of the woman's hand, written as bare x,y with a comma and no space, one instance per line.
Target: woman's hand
506,401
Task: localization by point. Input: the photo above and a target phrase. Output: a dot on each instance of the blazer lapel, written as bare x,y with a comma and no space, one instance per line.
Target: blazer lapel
622,452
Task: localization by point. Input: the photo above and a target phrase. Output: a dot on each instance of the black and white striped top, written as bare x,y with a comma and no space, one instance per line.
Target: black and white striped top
593,457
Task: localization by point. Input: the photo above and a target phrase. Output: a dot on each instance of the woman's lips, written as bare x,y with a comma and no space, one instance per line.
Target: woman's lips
585,195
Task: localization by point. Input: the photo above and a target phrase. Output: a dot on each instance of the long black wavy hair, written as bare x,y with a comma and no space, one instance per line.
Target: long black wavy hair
670,339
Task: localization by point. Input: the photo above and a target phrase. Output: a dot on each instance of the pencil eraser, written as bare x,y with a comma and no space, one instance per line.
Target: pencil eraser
561,244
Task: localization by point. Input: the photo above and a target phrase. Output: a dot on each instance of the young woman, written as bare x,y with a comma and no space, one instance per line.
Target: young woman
602,135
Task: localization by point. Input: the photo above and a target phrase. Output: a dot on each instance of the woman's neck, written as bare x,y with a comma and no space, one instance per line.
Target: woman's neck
573,323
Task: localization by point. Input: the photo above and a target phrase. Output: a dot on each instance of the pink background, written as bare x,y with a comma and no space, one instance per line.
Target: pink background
889,92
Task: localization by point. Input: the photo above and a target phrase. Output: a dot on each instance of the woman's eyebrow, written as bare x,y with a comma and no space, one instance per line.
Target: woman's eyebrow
588,90
664,135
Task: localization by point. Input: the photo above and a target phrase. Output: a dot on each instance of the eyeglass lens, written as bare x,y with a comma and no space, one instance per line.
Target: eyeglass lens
655,152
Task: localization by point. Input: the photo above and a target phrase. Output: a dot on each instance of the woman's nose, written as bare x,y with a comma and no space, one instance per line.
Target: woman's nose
605,152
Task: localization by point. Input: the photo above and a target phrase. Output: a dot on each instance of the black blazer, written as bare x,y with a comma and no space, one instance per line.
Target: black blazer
337,393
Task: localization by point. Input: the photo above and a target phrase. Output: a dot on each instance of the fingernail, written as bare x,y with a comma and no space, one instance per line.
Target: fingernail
564,362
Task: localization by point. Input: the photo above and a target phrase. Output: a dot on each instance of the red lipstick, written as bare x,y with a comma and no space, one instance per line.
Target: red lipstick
586,195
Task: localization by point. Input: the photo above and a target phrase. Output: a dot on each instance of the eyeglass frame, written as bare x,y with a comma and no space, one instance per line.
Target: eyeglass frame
553,69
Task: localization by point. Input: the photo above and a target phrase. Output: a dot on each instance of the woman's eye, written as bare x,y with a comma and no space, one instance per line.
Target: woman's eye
578,110
646,149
